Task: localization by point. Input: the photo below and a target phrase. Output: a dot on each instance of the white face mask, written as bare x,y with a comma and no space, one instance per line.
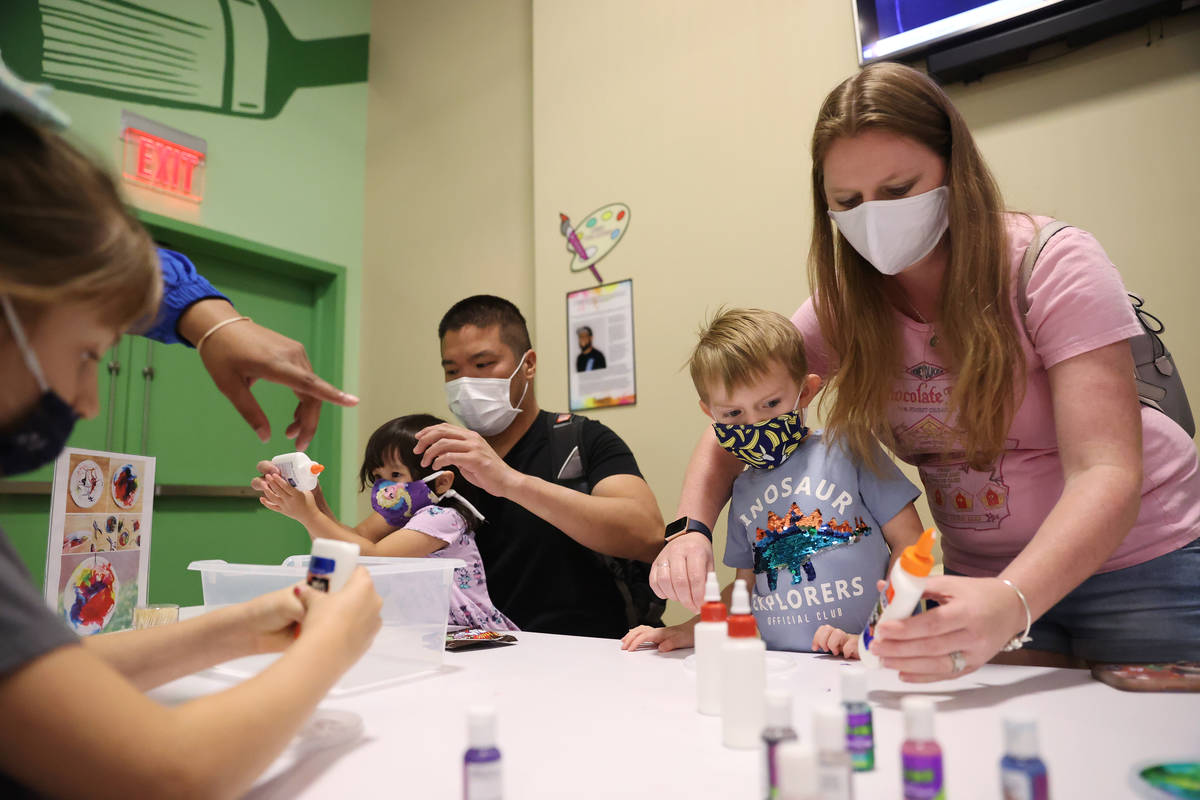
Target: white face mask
895,234
482,404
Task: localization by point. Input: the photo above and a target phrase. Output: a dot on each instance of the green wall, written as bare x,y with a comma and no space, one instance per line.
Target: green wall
294,181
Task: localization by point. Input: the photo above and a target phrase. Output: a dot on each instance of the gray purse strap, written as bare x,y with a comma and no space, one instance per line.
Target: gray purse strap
1032,252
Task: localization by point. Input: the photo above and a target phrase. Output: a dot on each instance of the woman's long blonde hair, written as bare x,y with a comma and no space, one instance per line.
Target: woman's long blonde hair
65,235
976,328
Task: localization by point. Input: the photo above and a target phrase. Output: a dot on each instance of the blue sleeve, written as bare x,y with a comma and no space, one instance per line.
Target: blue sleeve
182,286
885,496
739,554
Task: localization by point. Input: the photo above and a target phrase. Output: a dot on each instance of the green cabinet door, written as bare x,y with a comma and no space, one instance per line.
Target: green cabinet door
160,401
205,451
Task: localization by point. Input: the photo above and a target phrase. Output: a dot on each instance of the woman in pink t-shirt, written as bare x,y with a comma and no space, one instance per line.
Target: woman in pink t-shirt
1059,499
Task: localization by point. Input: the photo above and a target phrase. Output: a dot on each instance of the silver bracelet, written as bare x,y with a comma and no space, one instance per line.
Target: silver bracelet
1017,642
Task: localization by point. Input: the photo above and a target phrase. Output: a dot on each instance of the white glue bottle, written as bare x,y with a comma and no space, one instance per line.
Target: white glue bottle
899,598
797,764
482,777
743,676
331,564
299,470
833,761
709,633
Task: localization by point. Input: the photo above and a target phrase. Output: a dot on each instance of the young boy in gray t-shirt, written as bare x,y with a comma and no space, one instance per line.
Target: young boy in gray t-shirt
809,528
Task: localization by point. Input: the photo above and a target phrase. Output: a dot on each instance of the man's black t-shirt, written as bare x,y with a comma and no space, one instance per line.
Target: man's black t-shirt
591,360
541,578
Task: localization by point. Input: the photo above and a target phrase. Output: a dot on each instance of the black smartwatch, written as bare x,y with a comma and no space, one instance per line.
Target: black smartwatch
688,524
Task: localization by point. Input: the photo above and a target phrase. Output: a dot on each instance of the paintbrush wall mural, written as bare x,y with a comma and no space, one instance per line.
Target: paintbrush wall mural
233,57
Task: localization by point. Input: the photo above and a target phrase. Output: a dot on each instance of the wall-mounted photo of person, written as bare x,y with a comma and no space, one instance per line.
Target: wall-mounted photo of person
589,359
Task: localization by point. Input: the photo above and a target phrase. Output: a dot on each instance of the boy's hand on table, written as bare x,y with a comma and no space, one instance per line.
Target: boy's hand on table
829,639
681,569
671,638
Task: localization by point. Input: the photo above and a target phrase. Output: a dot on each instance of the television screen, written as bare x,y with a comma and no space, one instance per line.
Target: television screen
889,29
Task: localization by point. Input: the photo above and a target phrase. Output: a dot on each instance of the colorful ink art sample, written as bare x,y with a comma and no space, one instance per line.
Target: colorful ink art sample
87,483
90,597
125,486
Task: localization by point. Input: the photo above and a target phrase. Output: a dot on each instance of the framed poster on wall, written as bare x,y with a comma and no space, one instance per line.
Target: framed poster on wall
600,353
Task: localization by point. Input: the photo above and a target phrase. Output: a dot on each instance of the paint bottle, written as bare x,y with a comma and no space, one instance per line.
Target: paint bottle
860,727
331,564
743,676
920,755
709,633
481,762
779,730
833,762
797,765
1022,771
903,591
299,470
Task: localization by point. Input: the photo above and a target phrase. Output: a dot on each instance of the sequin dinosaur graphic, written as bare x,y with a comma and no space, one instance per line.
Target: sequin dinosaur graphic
792,541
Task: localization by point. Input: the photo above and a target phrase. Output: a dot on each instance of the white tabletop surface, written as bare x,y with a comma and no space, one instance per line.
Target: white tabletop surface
578,718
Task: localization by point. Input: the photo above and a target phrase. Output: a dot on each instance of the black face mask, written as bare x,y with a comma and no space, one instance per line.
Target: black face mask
43,433
39,438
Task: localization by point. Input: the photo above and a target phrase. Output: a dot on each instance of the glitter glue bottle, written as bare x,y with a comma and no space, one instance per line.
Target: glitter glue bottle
1022,772
481,762
743,676
833,762
903,591
709,633
779,730
920,755
298,470
797,764
860,728
331,564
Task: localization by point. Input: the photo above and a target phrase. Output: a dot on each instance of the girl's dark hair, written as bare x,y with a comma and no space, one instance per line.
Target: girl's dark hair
397,438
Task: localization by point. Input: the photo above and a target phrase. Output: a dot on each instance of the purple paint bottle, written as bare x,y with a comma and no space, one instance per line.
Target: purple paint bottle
920,755
481,762
1022,772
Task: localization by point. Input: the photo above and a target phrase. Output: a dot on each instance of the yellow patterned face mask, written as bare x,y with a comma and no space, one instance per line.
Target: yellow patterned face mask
766,444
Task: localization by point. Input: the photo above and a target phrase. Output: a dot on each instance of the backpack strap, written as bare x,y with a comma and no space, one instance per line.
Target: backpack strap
568,461
1040,239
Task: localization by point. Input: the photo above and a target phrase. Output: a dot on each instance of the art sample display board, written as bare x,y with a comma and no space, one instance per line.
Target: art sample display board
98,549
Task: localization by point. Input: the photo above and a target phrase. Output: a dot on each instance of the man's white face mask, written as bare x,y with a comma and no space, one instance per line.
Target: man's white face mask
482,404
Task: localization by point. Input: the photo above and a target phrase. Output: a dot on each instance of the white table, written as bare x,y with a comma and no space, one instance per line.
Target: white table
578,718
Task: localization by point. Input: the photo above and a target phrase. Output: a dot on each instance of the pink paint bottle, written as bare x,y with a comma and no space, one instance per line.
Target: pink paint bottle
920,755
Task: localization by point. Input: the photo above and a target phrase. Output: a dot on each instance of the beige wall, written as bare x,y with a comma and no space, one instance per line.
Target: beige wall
449,187
697,114
698,117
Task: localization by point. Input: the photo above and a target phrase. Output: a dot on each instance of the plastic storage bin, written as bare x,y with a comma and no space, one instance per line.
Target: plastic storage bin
416,605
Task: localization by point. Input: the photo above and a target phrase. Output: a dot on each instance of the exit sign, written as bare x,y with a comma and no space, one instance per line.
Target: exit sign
161,158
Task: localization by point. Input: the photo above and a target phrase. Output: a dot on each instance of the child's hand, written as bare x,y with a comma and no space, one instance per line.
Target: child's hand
667,639
829,639
281,496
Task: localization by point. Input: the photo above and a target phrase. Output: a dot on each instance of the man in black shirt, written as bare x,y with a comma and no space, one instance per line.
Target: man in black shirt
589,357
540,541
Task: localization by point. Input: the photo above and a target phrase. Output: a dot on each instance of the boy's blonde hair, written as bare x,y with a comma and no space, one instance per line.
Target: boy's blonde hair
737,347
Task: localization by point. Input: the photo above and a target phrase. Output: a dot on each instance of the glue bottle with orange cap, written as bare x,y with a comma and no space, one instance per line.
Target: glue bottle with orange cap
299,470
899,598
